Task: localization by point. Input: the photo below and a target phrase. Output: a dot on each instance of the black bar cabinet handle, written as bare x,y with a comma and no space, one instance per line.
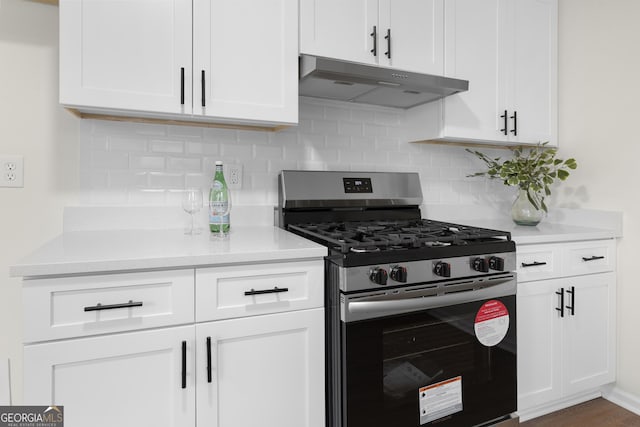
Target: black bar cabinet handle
515,123
203,93
505,117
561,307
209,375
99,307
374,34
275,290
572,307
184,364
388,39
593,258
533,264
182,86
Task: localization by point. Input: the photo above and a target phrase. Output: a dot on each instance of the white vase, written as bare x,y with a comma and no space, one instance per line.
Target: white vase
523,212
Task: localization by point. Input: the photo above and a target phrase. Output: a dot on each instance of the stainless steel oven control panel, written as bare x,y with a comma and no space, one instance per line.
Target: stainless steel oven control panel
370,277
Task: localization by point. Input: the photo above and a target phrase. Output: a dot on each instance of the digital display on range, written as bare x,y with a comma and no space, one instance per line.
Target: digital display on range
357,185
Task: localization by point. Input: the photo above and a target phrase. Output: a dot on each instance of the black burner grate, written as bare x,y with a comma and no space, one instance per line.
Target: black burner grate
368,236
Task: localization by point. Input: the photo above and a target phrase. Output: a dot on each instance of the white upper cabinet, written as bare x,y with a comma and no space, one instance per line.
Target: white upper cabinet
416,35
339,29
246,59
168,58
125,55
401,34
508,52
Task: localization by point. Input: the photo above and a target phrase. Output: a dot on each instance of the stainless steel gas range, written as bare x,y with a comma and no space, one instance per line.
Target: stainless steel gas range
420,314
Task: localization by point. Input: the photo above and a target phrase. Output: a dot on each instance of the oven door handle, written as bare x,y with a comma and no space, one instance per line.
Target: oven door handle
368,308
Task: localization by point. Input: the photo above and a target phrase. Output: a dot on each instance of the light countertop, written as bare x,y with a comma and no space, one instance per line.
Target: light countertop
78,252
546,232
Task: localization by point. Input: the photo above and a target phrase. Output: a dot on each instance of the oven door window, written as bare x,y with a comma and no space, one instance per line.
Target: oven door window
441,367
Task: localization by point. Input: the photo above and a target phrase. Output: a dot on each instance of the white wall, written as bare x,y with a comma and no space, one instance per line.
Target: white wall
70,162
599,94
31,124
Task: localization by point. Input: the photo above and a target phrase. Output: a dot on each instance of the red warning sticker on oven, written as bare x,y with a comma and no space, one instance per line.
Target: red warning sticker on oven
492,323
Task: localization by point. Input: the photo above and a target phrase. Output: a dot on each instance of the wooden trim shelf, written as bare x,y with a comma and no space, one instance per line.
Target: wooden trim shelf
51,2
149,120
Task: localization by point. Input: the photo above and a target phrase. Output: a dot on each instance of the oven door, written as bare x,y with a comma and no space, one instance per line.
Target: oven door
453,365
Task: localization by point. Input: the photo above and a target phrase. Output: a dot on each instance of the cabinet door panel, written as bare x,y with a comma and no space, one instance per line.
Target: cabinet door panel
474,51
125,54
535,70
339,29
590,331
417,35
135,377
539,369
248,51
266,370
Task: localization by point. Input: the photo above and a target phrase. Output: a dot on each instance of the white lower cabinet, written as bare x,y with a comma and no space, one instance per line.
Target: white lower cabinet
566,323
130,379
264,370
262,364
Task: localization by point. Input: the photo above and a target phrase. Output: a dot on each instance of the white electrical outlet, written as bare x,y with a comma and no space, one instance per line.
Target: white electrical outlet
233,176
11,171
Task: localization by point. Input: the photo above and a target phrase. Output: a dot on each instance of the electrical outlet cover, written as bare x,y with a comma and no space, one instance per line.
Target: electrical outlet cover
233,176
11,171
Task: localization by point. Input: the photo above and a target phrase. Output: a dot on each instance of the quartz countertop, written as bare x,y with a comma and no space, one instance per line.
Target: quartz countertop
79,252
546,232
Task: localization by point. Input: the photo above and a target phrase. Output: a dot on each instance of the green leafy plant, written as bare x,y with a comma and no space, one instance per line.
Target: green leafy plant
533,170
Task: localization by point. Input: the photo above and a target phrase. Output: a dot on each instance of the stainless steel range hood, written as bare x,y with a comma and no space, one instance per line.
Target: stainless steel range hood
367,84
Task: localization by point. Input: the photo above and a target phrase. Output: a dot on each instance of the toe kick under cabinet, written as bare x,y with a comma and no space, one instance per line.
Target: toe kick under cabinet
232,346
566,322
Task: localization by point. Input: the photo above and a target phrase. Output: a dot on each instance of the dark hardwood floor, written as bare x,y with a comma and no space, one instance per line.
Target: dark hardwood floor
597,412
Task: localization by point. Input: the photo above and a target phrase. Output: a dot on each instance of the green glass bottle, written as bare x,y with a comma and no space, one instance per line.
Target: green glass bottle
219,202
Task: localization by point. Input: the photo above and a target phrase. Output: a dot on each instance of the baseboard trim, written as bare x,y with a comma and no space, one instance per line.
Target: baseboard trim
624,399
558,405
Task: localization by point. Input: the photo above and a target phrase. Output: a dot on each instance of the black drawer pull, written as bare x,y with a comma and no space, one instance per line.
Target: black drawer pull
209,374
593,258
182,86
275,290
560,293
184,364
533,264
99,306
374,34
572,307
203,97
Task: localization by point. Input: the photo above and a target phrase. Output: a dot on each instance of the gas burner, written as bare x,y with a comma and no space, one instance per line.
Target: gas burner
437,244
365,249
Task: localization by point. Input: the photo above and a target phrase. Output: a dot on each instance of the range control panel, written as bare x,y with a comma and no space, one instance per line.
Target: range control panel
357,185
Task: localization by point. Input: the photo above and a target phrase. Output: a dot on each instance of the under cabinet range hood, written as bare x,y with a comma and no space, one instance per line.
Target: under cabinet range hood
368,84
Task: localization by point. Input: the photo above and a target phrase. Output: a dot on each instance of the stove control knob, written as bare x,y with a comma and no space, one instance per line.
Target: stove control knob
481,265
399,274
378,276
496,263
442,269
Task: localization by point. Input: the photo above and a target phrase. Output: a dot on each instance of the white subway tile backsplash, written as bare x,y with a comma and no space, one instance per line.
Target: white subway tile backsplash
166,180
109,160
191,164
172,147
150,164
236,150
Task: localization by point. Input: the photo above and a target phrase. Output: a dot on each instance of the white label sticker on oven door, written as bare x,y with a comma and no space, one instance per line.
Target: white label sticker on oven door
440,399
492,323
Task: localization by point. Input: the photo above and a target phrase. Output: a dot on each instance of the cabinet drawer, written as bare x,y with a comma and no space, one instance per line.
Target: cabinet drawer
248,290
536,262
594,256
88,305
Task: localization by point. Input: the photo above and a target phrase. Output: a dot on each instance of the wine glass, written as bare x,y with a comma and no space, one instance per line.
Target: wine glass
221,208
191,204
